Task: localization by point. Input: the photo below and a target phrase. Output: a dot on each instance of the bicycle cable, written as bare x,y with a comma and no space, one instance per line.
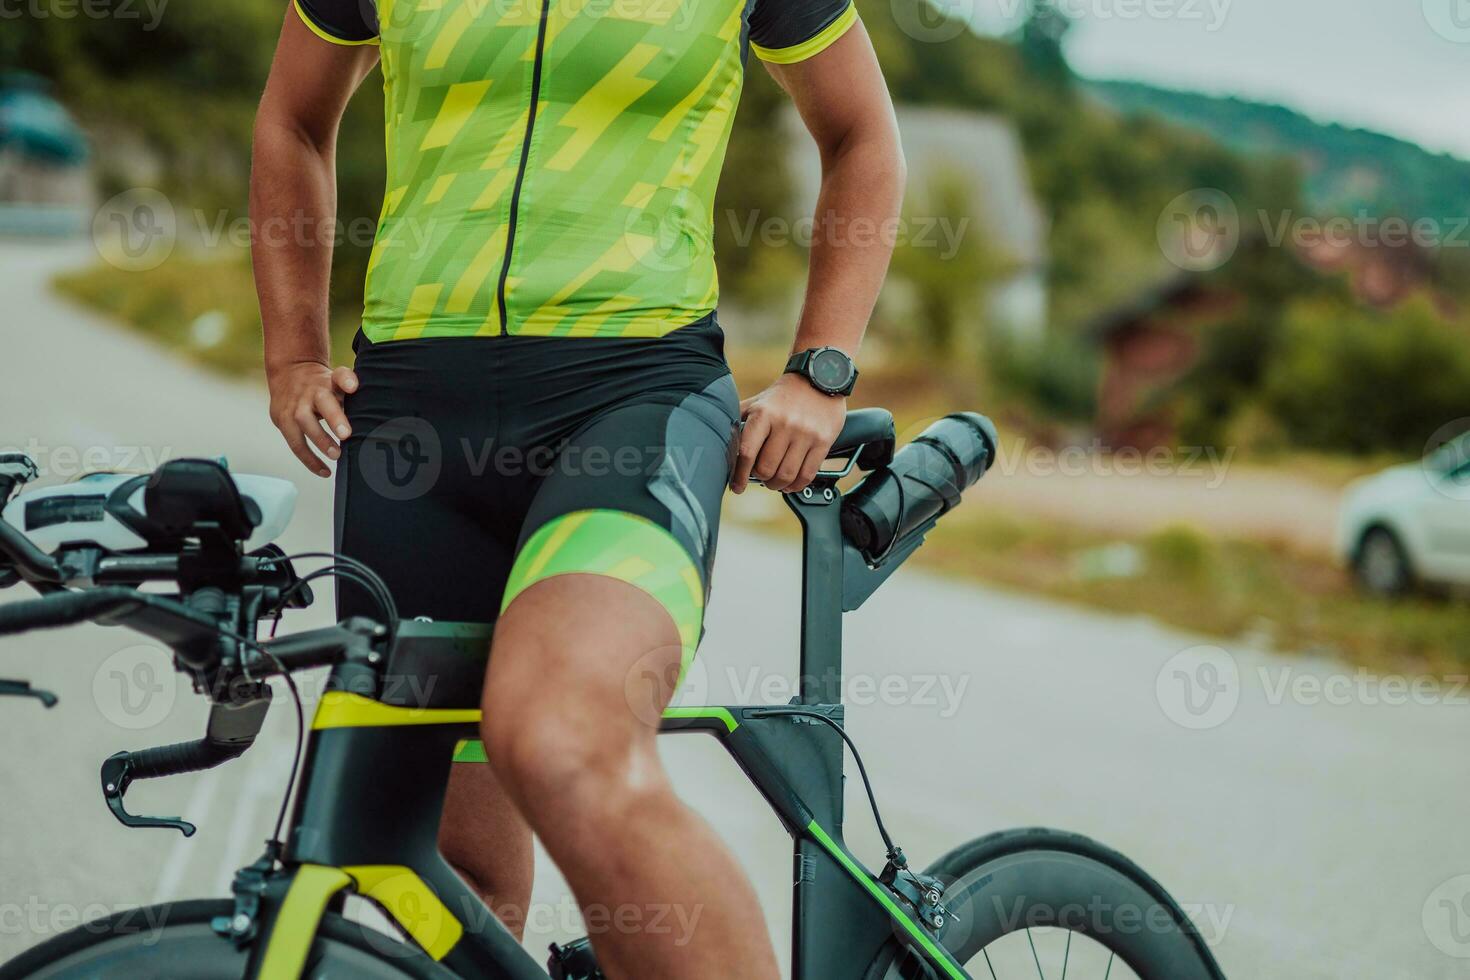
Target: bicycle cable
895,854
379,588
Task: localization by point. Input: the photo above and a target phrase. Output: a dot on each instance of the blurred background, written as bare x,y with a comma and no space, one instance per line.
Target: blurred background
1207,264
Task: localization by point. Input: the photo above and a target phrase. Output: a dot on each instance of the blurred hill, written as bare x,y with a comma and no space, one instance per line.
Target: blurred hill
170,106
1345,170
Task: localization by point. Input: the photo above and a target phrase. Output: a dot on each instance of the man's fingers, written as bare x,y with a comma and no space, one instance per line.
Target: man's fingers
768,463
810,466
303,452
752,438
311,427
345,380
745,405
788,471
330,409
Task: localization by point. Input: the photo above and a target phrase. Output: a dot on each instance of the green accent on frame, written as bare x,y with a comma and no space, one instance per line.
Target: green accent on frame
473,750
722,714
936,952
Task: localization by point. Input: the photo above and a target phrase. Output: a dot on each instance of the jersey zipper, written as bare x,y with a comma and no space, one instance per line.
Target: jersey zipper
515,194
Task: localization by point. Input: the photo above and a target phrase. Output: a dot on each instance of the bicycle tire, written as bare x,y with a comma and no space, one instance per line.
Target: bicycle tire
1018,880
176,940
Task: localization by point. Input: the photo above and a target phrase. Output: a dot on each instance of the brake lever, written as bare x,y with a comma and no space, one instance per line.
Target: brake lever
117,775
231,730
23,689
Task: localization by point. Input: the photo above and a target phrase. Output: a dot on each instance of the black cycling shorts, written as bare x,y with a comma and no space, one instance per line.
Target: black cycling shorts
479,466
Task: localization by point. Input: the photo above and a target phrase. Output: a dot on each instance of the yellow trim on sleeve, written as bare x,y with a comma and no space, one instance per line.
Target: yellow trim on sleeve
311,26
812,47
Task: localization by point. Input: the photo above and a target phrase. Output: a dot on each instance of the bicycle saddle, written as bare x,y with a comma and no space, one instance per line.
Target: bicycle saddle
870,429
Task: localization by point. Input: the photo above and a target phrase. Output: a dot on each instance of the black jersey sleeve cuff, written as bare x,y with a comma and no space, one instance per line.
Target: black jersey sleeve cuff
347,22
785,32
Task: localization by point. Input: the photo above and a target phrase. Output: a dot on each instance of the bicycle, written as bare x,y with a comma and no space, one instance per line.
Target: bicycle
374,770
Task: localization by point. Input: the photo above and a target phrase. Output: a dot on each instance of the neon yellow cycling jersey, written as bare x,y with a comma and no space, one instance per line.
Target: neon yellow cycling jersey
552,163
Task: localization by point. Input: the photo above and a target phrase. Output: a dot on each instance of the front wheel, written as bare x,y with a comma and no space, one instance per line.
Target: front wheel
1029,903
177,941
1382,566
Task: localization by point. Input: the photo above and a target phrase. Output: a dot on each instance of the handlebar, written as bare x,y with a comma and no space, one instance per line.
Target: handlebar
67,609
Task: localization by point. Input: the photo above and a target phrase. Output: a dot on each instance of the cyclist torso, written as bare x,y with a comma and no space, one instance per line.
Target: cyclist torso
552,164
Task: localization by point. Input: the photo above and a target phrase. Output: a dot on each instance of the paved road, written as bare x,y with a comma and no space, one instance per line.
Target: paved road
1317,827
1127,493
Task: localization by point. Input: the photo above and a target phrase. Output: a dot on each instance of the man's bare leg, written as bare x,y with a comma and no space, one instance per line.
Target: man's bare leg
583,766
484,837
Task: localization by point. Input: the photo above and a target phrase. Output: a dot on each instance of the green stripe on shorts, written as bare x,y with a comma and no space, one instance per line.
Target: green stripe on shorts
623,546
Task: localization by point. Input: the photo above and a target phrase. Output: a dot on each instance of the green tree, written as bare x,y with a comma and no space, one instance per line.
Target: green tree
950,286
1351,379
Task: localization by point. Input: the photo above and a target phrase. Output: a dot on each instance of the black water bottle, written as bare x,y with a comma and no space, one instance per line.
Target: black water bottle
924,481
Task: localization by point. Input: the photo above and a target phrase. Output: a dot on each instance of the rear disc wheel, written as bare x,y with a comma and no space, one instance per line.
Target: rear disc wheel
1045,904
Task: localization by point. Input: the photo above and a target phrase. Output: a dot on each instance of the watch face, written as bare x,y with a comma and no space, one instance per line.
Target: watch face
830,369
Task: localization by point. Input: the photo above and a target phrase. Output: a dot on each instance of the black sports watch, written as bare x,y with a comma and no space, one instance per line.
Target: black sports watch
828,369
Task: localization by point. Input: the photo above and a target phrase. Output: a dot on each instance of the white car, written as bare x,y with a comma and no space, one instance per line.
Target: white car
1409,526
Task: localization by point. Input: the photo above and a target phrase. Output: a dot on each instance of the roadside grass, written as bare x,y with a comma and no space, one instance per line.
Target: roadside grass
1237,589
204,309
1263,592
1241,591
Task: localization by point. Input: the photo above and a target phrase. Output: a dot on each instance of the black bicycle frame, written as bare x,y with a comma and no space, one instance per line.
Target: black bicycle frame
379,760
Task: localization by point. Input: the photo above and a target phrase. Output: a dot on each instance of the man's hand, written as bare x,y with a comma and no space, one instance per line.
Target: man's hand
304,396
788,430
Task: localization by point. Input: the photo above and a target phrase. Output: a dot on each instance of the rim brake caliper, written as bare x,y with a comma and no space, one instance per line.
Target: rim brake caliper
923,893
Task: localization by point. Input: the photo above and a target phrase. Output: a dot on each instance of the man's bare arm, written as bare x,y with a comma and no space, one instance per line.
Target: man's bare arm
293,210
844,102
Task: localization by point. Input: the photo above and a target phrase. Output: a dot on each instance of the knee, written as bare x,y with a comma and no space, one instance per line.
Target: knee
540,754
566,770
